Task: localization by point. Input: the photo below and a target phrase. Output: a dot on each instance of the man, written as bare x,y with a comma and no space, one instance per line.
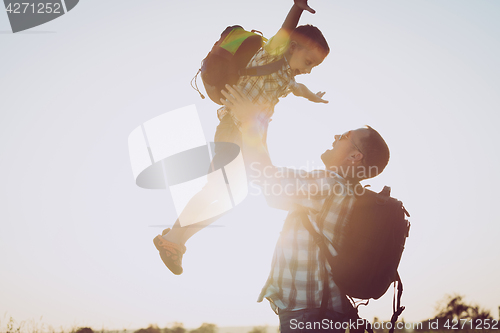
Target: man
299,286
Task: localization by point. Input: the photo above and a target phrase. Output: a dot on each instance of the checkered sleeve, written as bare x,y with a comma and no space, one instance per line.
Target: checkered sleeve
291,87
298,188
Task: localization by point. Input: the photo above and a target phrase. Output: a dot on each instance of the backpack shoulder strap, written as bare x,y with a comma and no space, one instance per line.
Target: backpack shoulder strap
320,242
318,238
263,70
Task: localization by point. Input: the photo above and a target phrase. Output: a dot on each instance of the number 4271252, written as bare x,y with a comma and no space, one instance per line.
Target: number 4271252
477,324
38,8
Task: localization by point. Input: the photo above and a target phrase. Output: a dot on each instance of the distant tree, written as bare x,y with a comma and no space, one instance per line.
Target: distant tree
150,329
205,328
176,328
456,309
84,330
259,329
453,308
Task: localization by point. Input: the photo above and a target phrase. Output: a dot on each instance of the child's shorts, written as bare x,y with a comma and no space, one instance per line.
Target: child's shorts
226,131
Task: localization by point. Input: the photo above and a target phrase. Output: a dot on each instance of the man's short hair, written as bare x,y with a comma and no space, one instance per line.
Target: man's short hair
310,36
376,151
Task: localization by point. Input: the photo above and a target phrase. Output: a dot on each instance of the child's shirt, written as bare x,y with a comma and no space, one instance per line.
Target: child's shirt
266,90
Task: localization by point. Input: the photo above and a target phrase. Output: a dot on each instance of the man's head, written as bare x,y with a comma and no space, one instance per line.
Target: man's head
358,154
308,48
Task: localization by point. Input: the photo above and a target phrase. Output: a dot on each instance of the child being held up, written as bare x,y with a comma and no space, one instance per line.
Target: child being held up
303,48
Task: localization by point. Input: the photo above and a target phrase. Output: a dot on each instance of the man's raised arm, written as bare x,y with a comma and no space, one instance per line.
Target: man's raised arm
255,153
283,188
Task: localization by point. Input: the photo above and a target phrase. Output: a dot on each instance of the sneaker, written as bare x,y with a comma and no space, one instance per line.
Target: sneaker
170,253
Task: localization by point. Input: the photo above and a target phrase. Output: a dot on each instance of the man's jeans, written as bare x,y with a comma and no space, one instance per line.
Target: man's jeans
312,320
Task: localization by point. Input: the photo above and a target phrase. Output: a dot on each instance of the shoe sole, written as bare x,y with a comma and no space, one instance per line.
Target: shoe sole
176,269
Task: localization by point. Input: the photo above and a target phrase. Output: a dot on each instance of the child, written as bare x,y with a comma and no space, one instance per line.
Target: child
303,48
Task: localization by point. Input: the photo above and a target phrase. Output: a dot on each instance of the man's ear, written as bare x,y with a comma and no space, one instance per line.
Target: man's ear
293,47
356,156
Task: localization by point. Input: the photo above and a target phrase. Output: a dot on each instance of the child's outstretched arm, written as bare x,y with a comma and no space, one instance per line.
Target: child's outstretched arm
302,91
291,21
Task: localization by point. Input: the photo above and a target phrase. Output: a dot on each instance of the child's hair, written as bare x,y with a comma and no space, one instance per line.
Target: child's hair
310,36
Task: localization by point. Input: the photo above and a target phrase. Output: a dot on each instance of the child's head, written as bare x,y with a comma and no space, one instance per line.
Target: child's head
308,48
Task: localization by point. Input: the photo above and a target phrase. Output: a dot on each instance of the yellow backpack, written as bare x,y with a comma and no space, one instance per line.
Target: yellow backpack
228,59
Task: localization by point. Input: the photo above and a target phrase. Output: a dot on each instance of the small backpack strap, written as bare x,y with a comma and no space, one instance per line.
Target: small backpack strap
263,70
326,290
396,309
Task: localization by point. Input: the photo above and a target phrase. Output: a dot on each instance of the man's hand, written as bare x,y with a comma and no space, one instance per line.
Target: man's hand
302,4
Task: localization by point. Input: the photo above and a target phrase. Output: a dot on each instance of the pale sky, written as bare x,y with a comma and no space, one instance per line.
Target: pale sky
76,232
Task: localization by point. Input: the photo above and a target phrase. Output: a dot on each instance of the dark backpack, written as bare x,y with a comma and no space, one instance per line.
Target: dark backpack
228,59
369,247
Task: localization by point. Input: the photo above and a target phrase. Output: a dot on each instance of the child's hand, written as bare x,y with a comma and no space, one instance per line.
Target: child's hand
301,90
317,98
302,4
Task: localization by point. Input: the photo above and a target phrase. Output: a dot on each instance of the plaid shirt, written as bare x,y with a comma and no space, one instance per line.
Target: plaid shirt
297,271
265,90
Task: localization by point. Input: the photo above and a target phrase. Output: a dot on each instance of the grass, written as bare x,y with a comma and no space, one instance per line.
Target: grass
10,325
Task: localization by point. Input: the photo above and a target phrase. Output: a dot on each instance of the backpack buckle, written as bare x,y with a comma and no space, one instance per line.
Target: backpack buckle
384,195
318,239
257,32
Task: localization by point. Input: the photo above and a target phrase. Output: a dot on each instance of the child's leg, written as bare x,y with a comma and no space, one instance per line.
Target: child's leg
180,235
205,199
205,203
171,243
192,216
